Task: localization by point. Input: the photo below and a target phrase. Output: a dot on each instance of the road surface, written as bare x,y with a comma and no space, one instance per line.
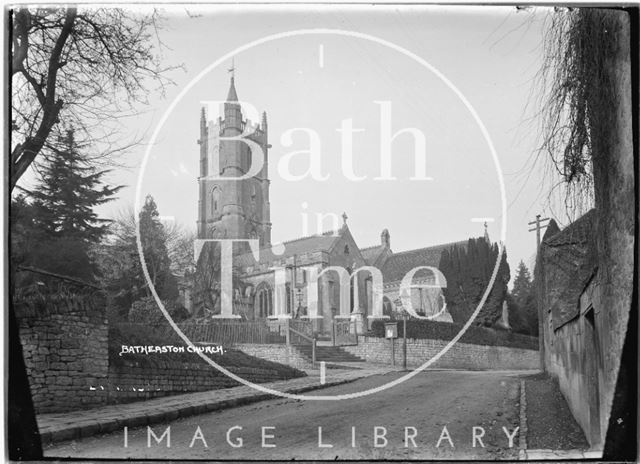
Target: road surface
431,416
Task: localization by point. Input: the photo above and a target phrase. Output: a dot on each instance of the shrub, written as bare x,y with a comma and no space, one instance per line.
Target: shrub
146,310
446,331
179,313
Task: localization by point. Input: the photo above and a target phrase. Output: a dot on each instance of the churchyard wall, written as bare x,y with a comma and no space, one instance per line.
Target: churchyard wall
459,356
66,350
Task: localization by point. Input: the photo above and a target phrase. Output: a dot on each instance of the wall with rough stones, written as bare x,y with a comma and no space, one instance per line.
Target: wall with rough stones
459,356
283,354
133,383
585,353
64,343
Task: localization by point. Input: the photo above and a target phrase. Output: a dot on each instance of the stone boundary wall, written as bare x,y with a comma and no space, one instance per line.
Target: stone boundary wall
65,352
65,345
133,383
283,354
460,356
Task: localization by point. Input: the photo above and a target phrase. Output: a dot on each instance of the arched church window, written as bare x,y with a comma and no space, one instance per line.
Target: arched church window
264,302
346,249
387,309
289,299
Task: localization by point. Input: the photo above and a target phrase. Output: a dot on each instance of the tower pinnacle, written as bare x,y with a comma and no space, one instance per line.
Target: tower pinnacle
232,96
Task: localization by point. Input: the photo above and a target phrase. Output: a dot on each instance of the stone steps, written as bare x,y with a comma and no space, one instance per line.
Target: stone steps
328,354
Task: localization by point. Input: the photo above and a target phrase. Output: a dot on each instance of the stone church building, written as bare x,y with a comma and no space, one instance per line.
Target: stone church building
240,209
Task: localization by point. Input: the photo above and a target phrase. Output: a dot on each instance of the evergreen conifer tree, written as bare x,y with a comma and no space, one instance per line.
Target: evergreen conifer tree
522,304
522,283
126,280
58,225
70,190
468,273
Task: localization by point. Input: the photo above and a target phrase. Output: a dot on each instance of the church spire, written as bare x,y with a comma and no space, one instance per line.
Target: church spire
232,96
232,110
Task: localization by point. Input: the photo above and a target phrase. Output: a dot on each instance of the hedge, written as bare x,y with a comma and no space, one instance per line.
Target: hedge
446,331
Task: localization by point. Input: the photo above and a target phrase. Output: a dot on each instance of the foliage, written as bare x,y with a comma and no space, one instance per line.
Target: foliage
64,203
435,330
207,282
58,296
523,311
179,313
120,261
33,247
468,272
523,314
566,113
580,100
154,250
522,283
146,310
55,230
88,67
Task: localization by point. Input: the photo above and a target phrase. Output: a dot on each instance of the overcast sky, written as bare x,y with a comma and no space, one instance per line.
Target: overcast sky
316,81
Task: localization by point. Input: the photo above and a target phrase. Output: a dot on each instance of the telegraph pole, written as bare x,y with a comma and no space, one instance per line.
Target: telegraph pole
538,227
404,340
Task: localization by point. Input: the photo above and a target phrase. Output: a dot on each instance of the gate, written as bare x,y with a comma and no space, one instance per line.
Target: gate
344,332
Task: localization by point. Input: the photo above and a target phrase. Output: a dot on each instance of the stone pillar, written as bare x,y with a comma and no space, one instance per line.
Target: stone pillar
358,322
280,294
326,302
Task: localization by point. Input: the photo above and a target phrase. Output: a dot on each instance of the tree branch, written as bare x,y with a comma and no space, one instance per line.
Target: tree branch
24,153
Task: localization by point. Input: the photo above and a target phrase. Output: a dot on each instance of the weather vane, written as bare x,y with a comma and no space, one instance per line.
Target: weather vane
232,69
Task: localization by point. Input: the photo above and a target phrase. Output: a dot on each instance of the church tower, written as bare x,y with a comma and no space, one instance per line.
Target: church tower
231,208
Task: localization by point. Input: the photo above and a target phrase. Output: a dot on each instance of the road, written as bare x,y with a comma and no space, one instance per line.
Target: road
431,416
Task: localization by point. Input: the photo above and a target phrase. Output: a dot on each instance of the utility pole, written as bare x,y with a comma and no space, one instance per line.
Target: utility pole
404,340
538,227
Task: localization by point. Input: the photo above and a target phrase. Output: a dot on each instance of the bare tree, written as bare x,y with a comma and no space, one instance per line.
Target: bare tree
86,68
179,239
83,67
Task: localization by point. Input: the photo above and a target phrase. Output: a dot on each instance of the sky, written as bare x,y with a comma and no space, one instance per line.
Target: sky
312,83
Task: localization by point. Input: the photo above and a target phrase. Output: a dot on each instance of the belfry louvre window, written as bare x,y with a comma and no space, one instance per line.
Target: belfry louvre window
215,199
